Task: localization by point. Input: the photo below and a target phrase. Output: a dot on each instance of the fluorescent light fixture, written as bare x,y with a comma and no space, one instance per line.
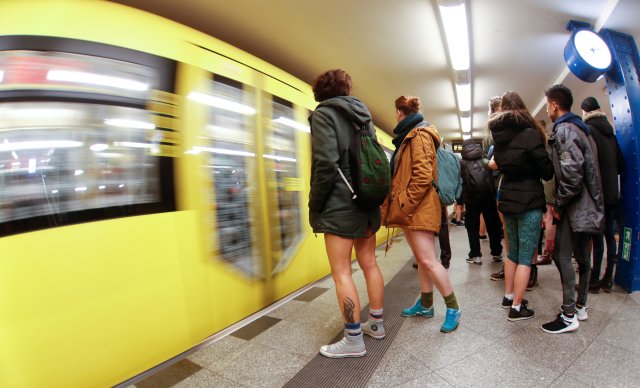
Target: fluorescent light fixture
83,188
96,79
465,123
1,75
463,91
15,156
224,151
125,123
221,103
280,158
454,20
37,145
121,185
108,155
78,172
101,187
99,147
32,165
292,124
54,191
131,144
466,136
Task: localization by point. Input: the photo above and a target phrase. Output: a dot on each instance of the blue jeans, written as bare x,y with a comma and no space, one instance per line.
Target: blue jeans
523,233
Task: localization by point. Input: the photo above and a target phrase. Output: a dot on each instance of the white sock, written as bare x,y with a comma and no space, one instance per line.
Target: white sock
509,296
516,307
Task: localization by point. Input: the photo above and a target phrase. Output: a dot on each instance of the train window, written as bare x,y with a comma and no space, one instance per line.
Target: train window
280,157
57,158
77,141
231,164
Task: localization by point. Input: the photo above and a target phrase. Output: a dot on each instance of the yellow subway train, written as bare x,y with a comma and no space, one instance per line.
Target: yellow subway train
153,191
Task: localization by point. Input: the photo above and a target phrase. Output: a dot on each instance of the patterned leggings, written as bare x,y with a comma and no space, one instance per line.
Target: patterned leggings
523,233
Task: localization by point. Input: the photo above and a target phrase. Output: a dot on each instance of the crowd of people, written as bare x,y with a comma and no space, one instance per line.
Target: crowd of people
523,185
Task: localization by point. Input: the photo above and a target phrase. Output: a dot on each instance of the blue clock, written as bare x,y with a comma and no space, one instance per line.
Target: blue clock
587,55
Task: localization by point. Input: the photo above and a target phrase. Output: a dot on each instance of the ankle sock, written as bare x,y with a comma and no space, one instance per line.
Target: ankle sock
375,315
516,307
509,296
426,299
352,329
451,301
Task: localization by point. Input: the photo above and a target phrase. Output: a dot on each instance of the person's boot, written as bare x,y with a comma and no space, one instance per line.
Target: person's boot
606,283
533,278
547,257
594,285
498,275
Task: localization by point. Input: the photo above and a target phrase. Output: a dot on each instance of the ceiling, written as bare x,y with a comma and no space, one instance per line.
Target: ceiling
392,48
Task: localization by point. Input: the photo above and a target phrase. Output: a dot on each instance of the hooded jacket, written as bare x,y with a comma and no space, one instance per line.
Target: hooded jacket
578,188
523,160
331,209
610,160
413,202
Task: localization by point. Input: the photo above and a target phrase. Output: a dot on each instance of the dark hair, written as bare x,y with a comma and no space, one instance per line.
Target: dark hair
494,104
561,95
512,102
590,104
408,104
332,83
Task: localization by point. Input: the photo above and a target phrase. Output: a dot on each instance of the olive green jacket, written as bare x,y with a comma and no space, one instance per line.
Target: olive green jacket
331,209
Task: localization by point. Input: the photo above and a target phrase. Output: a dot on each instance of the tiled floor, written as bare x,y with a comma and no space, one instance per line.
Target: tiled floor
486,350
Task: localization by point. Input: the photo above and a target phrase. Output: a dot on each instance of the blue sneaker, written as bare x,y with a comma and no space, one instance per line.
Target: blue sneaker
418,310
451,320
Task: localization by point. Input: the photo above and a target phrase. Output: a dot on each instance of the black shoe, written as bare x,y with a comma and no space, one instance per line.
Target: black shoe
561,324
483,237
498,275
594,286
524,313
506,303
606,284
414,265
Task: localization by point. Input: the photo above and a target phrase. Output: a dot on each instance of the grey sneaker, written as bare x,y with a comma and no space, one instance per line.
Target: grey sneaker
581,313
348,346
474,260
373,329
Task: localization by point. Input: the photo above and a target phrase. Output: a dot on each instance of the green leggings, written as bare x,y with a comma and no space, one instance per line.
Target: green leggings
523,232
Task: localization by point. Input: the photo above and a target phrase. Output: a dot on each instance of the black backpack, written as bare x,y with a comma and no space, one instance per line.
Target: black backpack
369,166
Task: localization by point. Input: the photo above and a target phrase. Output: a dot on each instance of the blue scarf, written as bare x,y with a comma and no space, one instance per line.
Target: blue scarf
401,131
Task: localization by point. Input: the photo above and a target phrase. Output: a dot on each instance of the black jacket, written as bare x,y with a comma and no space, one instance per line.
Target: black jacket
477,181
610,159
522,160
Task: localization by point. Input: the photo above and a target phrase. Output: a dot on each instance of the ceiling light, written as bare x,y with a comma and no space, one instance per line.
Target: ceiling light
99,147
466,136
463,91
454,20
221,103
1,75
96,79
125,123
465,123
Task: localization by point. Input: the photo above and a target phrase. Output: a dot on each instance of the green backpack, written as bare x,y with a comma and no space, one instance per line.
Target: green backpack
370,176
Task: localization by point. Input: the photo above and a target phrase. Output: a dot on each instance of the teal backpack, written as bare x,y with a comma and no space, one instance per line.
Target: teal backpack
449,184
369,166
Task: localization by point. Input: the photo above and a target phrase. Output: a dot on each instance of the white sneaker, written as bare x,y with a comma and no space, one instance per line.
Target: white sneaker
561,324
581,313
474,260
373,329
348,346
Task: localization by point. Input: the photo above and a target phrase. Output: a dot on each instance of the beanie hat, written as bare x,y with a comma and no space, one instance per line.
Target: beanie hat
589,104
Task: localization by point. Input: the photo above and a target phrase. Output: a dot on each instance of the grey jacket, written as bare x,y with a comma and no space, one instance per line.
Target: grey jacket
331,209
578,188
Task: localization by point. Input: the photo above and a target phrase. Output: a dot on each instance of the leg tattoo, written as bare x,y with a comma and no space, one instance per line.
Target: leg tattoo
349,309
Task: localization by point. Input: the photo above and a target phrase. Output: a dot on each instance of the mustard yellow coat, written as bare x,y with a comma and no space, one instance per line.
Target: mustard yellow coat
413,202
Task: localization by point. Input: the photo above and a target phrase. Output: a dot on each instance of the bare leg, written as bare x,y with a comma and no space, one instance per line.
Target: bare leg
365,251
422,244
509,276
339,252
520,283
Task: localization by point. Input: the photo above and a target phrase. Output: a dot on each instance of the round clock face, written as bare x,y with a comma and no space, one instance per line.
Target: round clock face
592,49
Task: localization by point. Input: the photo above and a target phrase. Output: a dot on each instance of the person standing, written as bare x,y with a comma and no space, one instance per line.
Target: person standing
332,211
413,205
521,157
610,164
479,197
578,206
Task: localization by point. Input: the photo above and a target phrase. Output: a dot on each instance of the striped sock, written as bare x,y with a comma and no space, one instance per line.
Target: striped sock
375,315
353,329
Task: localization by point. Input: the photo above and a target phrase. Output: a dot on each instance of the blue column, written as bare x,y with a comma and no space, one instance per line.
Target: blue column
624,94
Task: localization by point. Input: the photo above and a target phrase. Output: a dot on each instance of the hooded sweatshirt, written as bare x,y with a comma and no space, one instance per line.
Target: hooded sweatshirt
331,209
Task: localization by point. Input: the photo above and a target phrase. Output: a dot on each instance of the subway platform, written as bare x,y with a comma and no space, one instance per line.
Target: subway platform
281,348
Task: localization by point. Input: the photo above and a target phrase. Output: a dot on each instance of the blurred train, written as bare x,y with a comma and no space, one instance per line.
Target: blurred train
153,191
